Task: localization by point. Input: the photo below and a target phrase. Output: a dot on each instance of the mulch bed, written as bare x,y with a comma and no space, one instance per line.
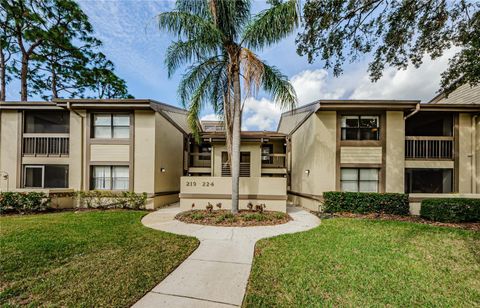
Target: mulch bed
224,218
475,226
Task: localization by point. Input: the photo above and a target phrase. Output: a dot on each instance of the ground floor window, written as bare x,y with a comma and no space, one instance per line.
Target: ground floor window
45,176
359,179
110,178
428,180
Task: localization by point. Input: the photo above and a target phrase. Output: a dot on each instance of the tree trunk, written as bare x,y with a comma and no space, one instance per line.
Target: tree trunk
3,81
23,79
237,118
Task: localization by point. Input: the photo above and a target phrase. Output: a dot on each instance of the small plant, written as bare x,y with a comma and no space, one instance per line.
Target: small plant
193,205
227,217
250,206
219,205
260,208
209,207
279,215
254,216
197,216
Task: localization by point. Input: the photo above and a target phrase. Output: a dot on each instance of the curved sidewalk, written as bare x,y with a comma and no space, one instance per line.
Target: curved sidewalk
216,273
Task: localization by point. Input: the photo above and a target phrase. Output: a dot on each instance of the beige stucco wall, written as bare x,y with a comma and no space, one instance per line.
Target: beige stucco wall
144,152
255,158
168,155
76,170
395,152
360,155
257,190
9,151
110,152
314,149
465,153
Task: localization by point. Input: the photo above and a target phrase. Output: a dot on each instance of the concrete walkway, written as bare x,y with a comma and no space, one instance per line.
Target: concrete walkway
216,273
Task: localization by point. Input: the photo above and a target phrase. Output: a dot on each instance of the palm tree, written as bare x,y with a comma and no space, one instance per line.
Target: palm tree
217,37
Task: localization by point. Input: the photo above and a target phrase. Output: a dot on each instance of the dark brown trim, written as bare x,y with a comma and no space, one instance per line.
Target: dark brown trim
229,196
307,196
165,193
130,142
382,142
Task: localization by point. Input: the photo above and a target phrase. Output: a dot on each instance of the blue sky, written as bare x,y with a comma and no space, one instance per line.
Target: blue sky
133,42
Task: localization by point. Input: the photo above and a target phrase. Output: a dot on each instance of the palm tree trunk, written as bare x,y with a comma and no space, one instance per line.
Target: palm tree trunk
237,117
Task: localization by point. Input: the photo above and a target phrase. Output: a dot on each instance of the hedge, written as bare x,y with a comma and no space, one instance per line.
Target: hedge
363,203
96,199
451,209
23,202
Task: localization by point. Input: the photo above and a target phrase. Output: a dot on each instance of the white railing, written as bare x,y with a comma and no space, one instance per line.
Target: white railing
46,145
429,147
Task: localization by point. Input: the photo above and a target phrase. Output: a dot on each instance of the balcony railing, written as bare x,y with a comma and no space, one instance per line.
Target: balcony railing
274,160
45,145
429,147
203,160
244,169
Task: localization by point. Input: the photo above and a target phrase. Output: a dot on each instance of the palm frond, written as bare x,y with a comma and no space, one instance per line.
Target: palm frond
278,86
252,71
183,52
184,24
272,25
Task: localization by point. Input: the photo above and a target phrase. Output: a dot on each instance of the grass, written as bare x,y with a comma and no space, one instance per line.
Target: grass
359,262
90,259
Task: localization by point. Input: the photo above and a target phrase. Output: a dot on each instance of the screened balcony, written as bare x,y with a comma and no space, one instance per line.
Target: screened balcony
429,136
46,133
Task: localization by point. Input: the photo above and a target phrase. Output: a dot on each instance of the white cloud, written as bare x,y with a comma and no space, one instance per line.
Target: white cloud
412,83
260,114
311,85
210,117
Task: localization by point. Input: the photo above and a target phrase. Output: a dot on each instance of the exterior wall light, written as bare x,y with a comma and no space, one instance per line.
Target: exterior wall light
162,170
307,172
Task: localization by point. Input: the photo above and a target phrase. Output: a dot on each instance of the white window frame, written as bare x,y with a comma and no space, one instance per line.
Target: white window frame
33,167
111,126
358,180
92,179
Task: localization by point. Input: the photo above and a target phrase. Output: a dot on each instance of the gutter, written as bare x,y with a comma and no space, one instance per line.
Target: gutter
417,109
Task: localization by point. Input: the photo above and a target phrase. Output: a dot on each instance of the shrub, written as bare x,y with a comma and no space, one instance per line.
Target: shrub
254,216
23,202
228,217
111,200
451,209
363,203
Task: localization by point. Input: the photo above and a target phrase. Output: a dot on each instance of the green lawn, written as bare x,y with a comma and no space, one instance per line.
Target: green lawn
353,262
84,259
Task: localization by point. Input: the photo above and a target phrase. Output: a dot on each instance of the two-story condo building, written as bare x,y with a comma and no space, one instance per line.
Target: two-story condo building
424,149
72,145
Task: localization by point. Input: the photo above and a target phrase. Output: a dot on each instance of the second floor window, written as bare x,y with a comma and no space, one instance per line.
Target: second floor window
111,126
365,127
46,122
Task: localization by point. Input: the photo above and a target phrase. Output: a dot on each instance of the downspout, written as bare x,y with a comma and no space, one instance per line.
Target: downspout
474,155
82,128
417,109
